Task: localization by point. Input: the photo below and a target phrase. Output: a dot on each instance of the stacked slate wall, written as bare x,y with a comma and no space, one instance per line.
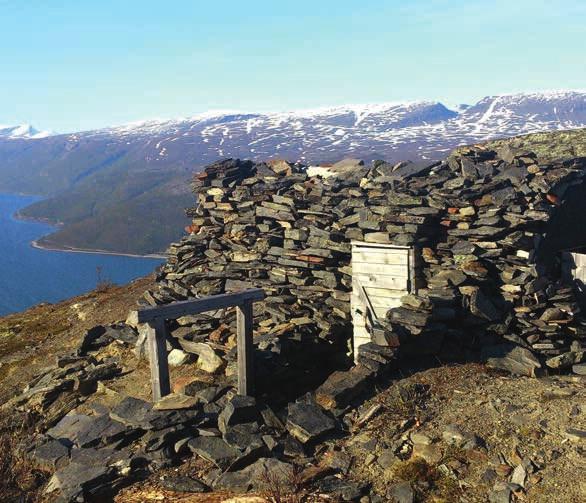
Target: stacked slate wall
476,219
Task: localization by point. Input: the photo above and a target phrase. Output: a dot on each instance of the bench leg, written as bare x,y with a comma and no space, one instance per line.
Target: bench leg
245,349
156,340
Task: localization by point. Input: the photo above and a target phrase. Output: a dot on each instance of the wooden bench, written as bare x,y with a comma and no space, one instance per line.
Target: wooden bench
155,318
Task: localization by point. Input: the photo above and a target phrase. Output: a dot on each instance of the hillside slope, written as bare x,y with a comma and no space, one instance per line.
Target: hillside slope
102,177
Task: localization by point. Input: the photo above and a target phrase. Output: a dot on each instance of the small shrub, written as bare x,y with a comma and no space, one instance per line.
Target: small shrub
103,284
429,483
283,486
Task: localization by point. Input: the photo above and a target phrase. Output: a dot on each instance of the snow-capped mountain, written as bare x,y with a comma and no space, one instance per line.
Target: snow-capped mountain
390,130
22,131
120,180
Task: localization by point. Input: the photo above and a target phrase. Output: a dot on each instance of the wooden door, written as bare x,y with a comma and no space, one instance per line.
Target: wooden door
385,273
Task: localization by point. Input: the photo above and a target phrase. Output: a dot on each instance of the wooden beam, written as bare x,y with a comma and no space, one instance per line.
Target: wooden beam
196,306
156,340
244,349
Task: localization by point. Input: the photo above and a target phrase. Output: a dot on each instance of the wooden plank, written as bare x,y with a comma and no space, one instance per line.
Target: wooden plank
381,311
156,343
380,258
196,306
245,349
386,301
363,244
384,292
382,282
400,271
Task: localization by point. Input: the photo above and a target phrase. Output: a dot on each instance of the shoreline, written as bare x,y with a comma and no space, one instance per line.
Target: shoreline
35,244
17,216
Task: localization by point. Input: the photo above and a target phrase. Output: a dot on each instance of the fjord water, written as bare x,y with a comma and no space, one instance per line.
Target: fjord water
29,276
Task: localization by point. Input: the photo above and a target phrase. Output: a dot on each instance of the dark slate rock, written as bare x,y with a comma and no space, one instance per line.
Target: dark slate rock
132,412
50,455
243,436
123,333
342,387
137,413
94,339
69,427
183,484
239,409
156,439
481,305
307,422
511,358
104,456
341,489
214,449
100,429
255,476
76,480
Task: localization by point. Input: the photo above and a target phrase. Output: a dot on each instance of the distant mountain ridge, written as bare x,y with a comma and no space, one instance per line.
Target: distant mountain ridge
21,131
95,176
420,129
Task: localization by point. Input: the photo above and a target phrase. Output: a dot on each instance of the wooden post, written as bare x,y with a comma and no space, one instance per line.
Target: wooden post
244,348
156,341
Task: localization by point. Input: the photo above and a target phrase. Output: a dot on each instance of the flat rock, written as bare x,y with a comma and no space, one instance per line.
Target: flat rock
137,413
340,489
243,436
132,411
176,401
565,360
214,449
342,387
512,358
183,484
77,479
307,422
50,455
255,475
239,409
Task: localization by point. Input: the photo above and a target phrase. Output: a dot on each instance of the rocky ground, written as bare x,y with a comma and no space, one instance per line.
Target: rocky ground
453,433
450,433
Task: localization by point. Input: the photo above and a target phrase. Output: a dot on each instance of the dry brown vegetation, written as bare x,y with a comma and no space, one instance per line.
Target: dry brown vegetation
20,479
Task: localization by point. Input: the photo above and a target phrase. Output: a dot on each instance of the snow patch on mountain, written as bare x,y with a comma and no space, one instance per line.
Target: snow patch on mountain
22,131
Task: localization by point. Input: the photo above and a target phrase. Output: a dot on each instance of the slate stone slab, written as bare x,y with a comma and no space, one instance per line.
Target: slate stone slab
254,476
307,422
137,413
243,436
50,455
342,387
183,484
214,449
511,358
344,490
77,479
132,412
239,409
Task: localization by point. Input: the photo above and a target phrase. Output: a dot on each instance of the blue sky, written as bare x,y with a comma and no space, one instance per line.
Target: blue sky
73,65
